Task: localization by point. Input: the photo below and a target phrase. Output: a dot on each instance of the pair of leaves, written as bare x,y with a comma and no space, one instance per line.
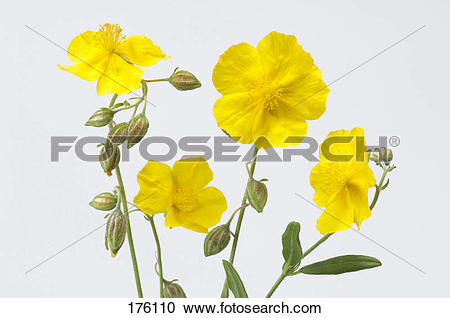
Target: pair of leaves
292,254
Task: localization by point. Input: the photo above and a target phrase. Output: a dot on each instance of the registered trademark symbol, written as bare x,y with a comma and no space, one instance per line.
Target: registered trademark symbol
394,141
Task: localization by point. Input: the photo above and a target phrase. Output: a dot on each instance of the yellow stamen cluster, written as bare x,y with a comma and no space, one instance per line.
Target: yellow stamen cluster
185,199
109,35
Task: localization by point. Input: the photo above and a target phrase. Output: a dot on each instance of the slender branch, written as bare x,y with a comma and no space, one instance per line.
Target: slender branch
113,99
378,190
129,234
327,236
275,286
158,250
225,292
156,80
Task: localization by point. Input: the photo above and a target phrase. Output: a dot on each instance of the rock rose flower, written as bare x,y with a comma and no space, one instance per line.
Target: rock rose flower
110,57
342,186
269,91
181,193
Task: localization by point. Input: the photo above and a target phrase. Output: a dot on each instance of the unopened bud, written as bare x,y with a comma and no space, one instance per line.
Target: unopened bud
137,129
115,232
184,81
101,117
105,201
382,154
109,158
118,134
257,194
173,290
216,240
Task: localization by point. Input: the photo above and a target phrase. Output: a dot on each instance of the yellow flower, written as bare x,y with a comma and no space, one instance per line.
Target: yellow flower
181,193
342,186
268,91
109,57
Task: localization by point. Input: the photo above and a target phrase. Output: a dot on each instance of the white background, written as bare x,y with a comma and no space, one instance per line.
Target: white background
402,92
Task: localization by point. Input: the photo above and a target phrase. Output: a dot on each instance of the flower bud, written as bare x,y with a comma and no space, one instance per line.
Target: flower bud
382,154
118,134
184,81
173,290
137,129
115,231
109,158
101,117
216,240
257,194
105,201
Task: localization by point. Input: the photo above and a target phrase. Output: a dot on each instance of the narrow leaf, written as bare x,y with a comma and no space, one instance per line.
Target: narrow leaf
385,185
292,250
234,281
341,264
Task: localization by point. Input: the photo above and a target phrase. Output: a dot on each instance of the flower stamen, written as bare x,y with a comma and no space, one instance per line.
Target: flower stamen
185,199
109,35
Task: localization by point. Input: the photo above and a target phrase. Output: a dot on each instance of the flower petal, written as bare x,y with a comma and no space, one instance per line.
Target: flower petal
238,69
236,114
344,147
212,204
176,217
277,125
283,58
84,47
193,173
363,176
358,195
326,181
89,70
308,95
338,216
140,50
119,77
293,69
155,194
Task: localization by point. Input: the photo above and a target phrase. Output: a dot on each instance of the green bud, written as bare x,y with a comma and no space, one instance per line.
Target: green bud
101,117
109,158
257,194
184,81
105,201
173,290
216,240
118,134
115,231
382,154
137,129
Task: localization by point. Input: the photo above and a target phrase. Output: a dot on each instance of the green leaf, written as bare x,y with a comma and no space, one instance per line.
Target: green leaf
234,281
292,250
340,265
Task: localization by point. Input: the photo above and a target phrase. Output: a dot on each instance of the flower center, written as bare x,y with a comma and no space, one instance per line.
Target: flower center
270,92
109,36
185,199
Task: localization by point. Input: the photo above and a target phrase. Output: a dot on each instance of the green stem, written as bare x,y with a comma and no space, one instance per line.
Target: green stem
275,286
129,234
378,190
156,80
312,248
113,100
158,250
239,222
327,236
